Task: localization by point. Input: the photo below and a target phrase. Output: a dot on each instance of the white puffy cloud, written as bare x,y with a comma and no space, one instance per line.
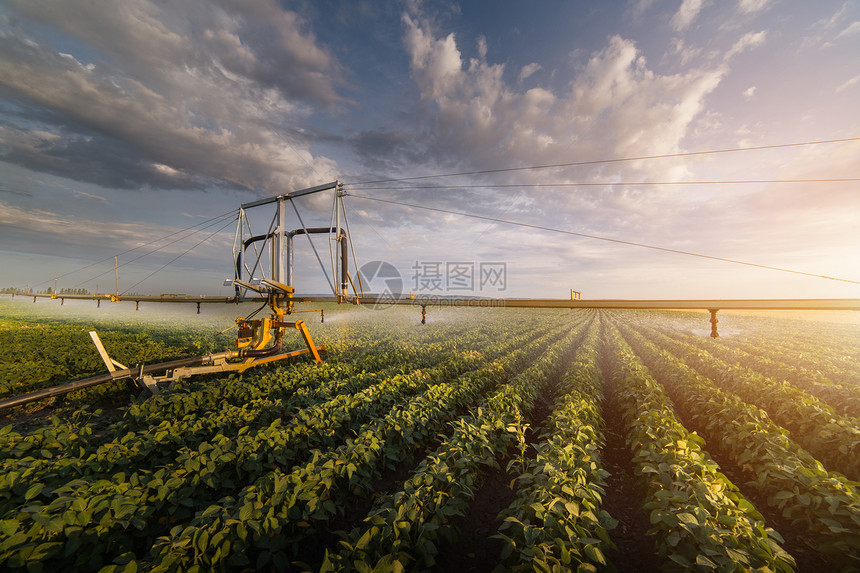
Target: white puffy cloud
617,106
436,63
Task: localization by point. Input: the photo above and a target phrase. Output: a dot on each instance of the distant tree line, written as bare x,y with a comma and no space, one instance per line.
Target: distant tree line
49,290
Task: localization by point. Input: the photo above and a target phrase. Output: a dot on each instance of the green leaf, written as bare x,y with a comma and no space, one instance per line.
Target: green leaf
705,562
593,552
33,491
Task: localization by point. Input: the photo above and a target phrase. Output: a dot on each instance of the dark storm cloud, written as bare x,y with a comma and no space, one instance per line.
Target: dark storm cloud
164,95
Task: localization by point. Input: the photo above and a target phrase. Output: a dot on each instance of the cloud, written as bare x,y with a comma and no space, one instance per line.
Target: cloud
752,6
617,106
4,188
59,228
851,30
640,7
42,231
482,47
384,151
747,41
90,196
685,53
436,63
685,15
527,71
821,33
852,82
750,92
165,95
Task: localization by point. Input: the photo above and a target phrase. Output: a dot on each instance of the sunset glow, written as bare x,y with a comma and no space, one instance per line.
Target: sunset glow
126,122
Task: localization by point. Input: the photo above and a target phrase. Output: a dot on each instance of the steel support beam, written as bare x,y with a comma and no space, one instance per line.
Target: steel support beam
655,304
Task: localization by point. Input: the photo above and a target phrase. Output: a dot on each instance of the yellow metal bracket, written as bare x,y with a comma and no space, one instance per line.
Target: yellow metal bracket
254,336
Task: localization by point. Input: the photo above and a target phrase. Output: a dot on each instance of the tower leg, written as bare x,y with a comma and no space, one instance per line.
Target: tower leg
300,325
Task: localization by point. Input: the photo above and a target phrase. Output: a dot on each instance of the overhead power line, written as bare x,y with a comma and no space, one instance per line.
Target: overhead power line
613,183
106,259
619,241
206,225
612,160
177,257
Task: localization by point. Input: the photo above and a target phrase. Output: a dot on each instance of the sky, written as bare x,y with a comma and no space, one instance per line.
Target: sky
122,124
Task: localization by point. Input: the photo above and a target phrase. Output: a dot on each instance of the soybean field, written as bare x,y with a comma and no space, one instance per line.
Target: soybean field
485,440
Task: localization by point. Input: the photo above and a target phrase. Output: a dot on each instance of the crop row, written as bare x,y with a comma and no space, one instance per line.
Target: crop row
381,349
817,357
555,522
842,396
183,457
700,519
825,504
376,348
807,340
831,438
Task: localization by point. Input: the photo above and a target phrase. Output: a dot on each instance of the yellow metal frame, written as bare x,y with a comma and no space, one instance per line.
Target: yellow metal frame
256,334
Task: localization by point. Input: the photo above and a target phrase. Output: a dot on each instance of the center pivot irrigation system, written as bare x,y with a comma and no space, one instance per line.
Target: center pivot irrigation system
263,264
